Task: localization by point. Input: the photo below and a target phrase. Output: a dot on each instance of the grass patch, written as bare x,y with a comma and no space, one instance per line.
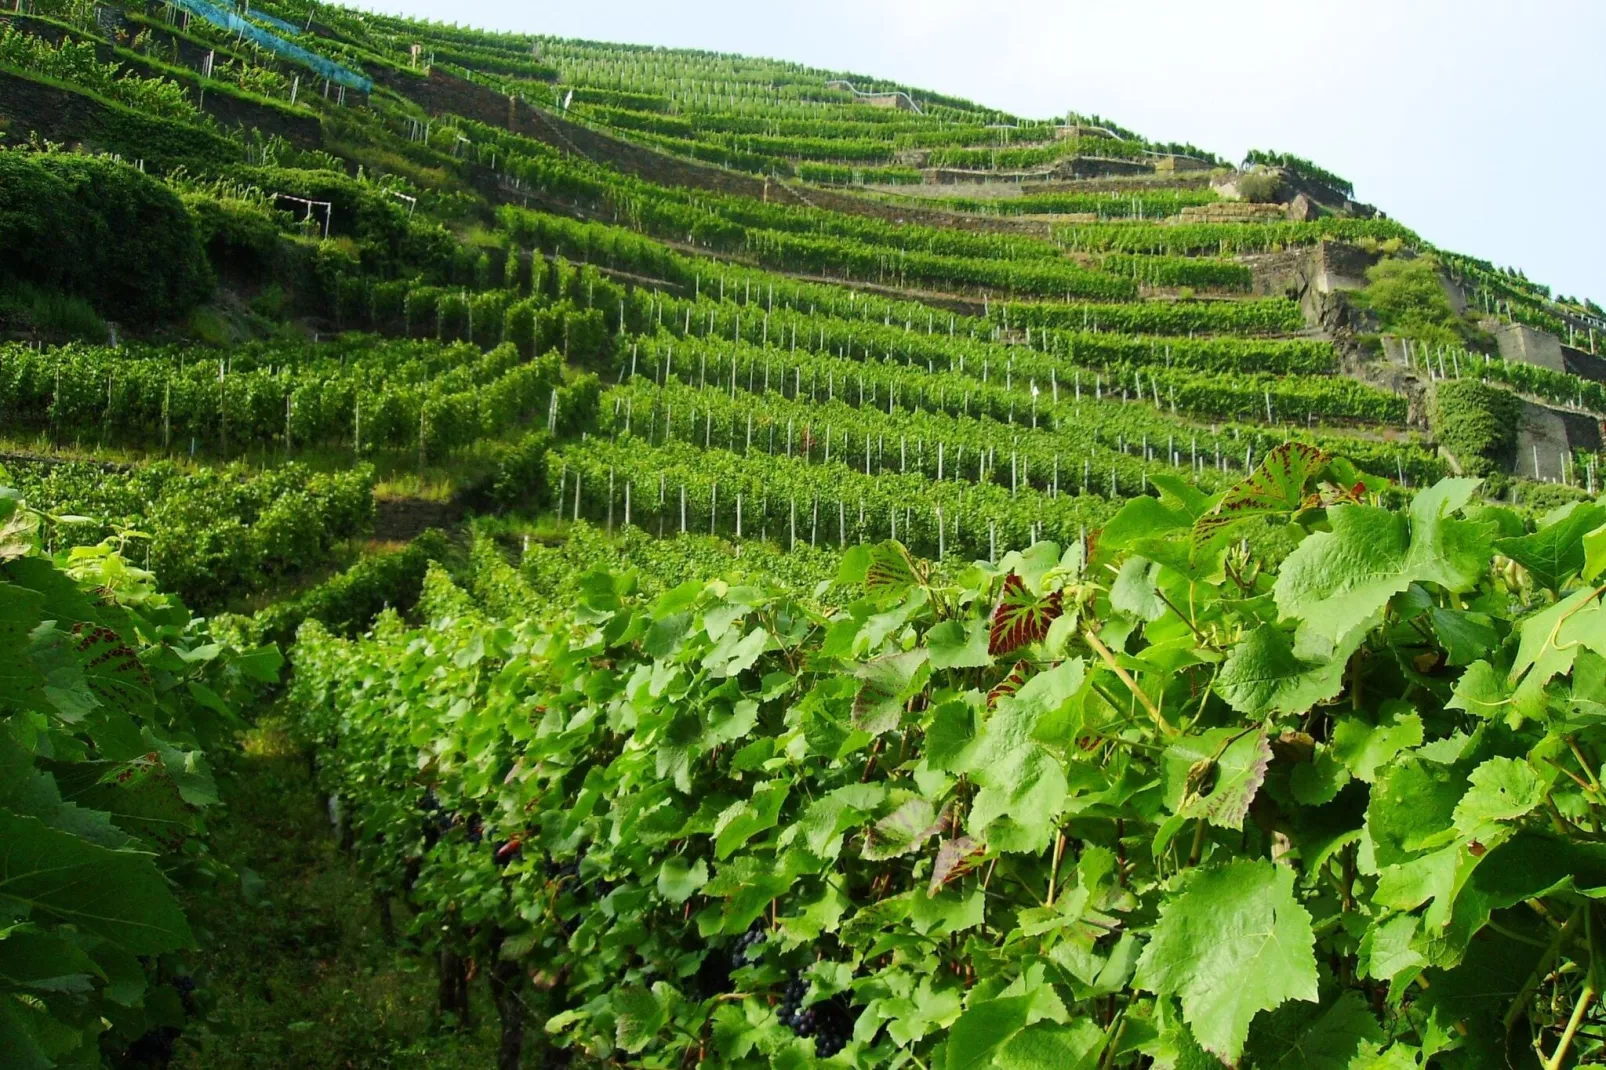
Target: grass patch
294,967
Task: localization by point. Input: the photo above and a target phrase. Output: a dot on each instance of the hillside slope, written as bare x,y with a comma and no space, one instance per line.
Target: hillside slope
457,365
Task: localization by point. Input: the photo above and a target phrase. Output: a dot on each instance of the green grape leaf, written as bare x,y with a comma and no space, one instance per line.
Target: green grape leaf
1551,640
1386,948
1021,618
958,645
1595,554
1074,1045
1010,1033
1411,808
1365,748
639,1016
1262,675
1020,778
1466,637
834,813
678,879
1133,591
20,611
1481,691
1297,1037
1337,582
1231,942
16,1038
741,821
1501,789
1556,552
1142,517
118,895
261,664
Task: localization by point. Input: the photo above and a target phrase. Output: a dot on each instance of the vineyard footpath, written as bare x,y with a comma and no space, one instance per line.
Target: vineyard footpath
317,978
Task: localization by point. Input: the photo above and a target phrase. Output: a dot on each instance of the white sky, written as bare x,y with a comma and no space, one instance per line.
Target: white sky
1478,123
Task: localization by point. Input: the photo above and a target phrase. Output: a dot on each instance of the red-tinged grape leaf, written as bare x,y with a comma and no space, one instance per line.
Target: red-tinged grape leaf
955,858
140,794
112,669
890,572
1239,772
1278,486
885,685
1021,618
1009,684
901,831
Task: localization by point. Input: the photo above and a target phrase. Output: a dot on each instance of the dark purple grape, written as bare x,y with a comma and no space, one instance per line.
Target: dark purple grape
744,952
154,1048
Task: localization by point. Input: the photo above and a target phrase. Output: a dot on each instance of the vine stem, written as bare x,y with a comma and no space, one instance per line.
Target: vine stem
1054,870
1126,678
1198,842
1584,1000
1541,968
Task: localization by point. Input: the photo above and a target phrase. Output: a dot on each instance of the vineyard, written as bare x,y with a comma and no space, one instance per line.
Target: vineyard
524,552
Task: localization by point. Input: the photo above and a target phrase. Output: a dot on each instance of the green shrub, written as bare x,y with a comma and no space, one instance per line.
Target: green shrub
1260,187
348,602
1543,497
100,230
236,234
1477,424
521,475
1409,300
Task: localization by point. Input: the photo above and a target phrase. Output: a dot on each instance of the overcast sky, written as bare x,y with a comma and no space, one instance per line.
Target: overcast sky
1478,123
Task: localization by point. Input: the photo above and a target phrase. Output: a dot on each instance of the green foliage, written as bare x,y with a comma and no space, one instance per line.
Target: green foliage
1302,167
1015,856
521,472
113,693
1409,300
101,230
1260,187
75,62
54,315
348,602
212,536
1477,424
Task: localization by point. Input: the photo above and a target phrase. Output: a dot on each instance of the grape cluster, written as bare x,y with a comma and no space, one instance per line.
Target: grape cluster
155,1048
185,986
439,822
475,828
744,954
557,871
827,1022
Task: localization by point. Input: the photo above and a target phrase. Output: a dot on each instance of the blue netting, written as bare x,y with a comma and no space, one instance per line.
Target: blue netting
263,16
228,20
